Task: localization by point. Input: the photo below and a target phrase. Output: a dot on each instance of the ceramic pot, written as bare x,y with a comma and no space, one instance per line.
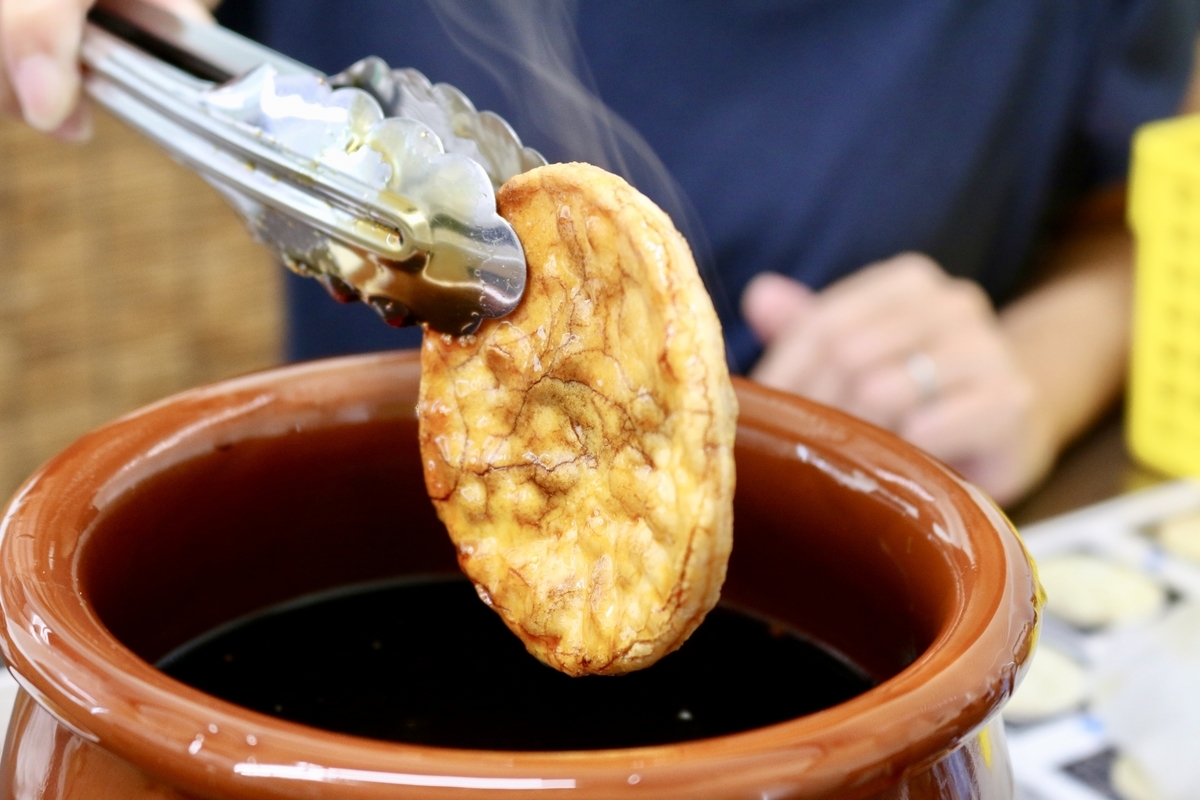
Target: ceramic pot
229,498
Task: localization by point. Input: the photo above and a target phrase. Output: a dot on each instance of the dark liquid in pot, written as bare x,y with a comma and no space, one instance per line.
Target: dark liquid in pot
423,661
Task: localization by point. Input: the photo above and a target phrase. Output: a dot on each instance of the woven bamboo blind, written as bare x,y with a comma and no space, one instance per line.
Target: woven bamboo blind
123,278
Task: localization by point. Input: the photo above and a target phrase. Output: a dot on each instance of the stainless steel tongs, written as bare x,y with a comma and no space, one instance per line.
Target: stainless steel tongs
374,181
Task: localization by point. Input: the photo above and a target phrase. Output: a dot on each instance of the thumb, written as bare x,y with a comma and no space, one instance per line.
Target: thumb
40,43
773,302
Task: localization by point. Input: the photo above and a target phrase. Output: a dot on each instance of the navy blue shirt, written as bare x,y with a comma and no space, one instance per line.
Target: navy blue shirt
807,137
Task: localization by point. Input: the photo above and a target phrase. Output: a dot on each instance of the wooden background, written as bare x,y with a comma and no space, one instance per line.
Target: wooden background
123,278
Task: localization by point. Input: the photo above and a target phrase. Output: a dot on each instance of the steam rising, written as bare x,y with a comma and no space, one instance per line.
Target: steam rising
531,49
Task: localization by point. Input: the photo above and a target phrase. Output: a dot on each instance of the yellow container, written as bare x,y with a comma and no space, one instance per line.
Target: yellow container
1164,212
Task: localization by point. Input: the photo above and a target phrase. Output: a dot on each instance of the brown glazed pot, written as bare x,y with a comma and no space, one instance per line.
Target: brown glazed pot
229,498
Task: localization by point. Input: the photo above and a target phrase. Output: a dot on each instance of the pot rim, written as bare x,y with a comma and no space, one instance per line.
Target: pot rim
64,657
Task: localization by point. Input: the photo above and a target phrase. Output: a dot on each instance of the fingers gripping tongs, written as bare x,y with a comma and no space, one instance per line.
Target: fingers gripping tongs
374,181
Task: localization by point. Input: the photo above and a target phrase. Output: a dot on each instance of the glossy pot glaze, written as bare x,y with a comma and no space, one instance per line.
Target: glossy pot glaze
229,498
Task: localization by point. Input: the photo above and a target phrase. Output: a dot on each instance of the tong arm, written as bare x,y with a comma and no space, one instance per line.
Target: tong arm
169,106
210,52
372,206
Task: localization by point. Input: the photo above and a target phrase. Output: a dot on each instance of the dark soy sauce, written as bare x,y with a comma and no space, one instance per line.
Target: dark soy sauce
423,661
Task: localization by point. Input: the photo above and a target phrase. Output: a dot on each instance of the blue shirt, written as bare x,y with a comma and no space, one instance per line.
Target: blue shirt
807,137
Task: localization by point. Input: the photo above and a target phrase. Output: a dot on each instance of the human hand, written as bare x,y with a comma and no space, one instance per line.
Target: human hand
39,61
904,345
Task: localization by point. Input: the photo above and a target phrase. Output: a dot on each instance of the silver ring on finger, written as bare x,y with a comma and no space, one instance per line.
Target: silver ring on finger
924,375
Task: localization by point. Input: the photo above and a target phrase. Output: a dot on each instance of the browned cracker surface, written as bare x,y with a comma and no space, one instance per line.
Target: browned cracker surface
580,450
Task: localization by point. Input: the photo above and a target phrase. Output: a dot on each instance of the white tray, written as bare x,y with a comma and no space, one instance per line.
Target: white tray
1068,757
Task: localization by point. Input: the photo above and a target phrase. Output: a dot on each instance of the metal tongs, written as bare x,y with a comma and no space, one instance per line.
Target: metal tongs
374,181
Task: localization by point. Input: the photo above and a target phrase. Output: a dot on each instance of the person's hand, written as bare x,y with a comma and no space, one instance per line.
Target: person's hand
39,61
902,344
